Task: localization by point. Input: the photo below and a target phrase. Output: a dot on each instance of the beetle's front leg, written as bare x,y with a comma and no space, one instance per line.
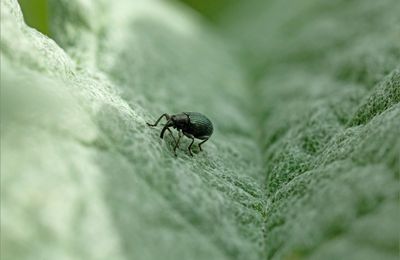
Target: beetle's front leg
177,142
158,120
173,137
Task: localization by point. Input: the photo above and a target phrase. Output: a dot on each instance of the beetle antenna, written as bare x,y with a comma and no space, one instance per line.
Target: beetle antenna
158,120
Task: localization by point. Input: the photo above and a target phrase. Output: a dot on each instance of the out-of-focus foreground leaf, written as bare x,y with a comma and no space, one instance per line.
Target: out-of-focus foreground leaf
83,176
304,161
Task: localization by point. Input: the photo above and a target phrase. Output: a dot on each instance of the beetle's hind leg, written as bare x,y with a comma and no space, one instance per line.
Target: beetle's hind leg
202,143
158,120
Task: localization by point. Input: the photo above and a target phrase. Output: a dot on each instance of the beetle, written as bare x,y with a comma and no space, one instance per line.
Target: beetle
191,124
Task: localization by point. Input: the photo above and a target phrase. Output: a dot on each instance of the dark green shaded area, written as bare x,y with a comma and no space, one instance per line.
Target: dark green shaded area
36,14
211,9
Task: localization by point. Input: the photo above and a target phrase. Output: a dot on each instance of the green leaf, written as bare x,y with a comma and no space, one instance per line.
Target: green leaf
303,163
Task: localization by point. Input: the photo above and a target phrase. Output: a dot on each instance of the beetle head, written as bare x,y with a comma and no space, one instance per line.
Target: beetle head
179,120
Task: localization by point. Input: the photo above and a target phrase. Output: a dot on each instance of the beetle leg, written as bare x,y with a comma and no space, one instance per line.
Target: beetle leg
173,137
190,146
177,142
158,120
202,143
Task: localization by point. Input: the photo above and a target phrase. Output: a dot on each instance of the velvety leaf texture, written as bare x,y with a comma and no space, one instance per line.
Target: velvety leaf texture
303,162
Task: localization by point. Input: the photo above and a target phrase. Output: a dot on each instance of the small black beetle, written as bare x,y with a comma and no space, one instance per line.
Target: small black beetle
191,124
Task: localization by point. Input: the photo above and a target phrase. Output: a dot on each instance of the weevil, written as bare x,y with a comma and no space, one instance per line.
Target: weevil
191,124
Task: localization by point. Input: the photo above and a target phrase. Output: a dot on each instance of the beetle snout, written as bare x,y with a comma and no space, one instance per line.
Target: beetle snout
168,124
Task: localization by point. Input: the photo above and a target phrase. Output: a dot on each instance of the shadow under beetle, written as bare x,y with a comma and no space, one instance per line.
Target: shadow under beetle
191,124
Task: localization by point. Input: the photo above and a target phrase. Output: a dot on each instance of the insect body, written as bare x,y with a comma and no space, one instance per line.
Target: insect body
191,124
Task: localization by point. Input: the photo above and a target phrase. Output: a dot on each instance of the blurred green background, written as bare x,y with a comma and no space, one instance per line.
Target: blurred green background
36,11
